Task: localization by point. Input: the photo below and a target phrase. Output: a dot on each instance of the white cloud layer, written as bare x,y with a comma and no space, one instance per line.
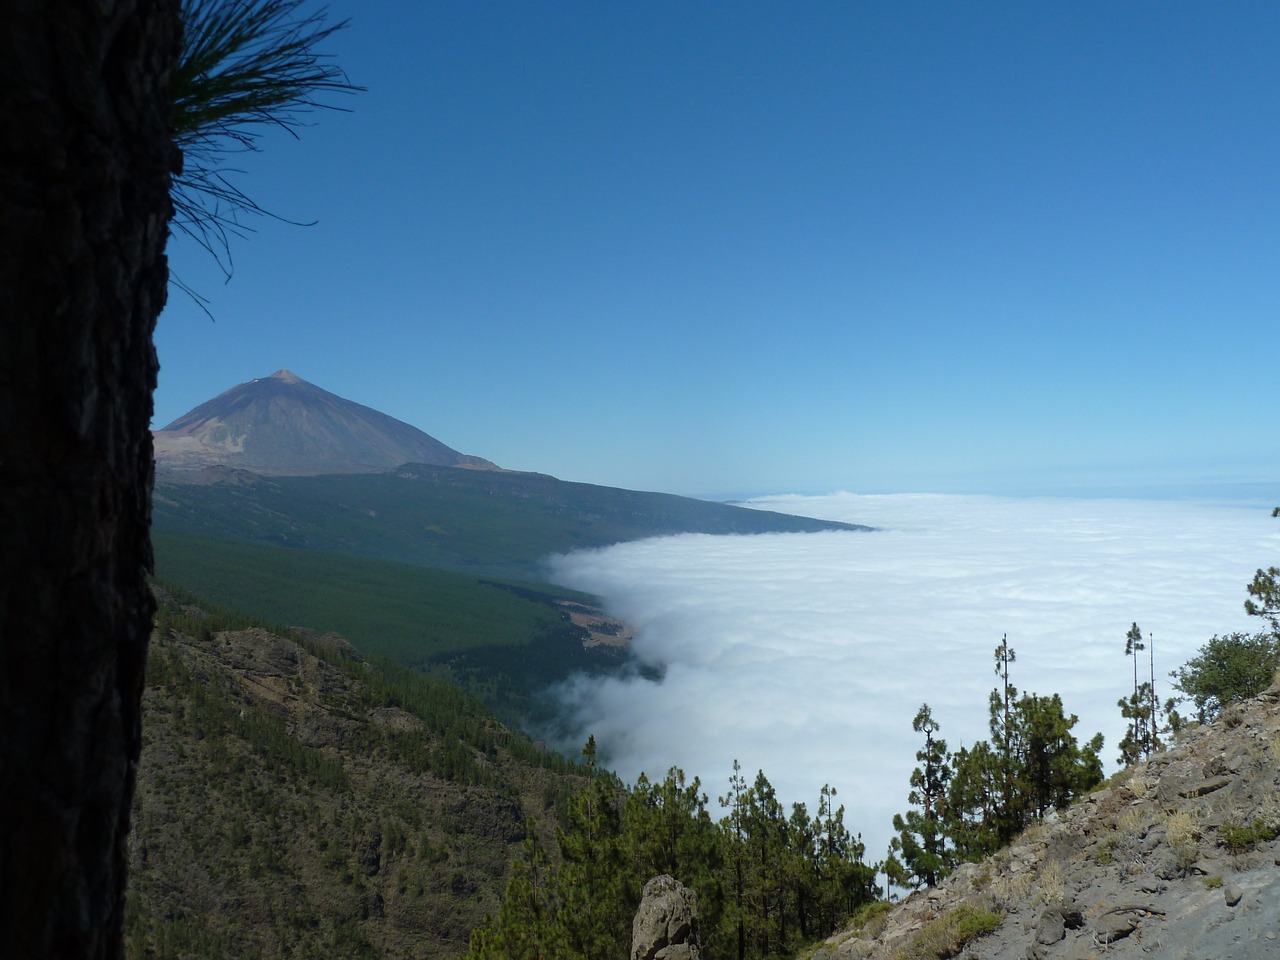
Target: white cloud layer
807,655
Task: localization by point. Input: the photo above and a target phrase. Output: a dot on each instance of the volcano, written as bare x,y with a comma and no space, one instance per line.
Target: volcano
282,425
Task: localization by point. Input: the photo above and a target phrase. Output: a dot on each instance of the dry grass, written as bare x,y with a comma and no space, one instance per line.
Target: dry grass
1007,888
1131,822
947,935
1050,885
870,919
1182,830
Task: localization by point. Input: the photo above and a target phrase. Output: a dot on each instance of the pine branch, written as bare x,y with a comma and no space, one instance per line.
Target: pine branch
247,66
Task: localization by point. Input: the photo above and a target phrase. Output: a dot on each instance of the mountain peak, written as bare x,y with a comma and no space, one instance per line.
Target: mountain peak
282,425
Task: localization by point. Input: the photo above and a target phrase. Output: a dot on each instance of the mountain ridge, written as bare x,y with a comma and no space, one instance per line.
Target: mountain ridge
495,522
282,425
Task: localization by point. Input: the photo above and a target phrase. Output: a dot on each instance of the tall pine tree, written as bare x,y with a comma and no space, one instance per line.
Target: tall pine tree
596,899
921,843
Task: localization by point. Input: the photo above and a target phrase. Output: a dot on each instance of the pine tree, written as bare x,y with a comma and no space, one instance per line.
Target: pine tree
803,874
596,893
1133,710
1056,769
845,881
1227,669
733,825
1153,702
1006,746
974,801
766,847
1264,594
922,841
526,926
667,829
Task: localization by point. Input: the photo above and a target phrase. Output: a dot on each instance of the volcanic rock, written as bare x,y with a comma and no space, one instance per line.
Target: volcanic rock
282,425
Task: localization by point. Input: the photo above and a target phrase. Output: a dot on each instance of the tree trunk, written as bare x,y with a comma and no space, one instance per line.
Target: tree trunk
85,158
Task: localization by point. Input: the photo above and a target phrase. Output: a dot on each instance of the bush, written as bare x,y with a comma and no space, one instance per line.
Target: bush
1228,669
947,935
1239,838
870,918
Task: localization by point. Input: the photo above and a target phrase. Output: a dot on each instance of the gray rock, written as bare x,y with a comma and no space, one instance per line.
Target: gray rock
666,924
1233,894
1206,787
1115,926
1051,928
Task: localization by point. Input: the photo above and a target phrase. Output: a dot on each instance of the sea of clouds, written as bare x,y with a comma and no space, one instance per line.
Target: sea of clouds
807,655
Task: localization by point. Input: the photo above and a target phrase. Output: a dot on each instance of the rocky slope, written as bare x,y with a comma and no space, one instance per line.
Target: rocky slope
282,425
1174,859
294,801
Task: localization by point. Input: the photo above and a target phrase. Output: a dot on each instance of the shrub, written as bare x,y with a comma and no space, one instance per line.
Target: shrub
1228,669
1239,838
1183,833
1105,853
947,935
869,919
1051,884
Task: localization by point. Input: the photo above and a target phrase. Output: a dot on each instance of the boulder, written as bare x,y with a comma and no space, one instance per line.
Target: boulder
666,924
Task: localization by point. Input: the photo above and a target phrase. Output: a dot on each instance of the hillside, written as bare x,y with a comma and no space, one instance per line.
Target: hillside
496,523
504,641
1172,859
294,800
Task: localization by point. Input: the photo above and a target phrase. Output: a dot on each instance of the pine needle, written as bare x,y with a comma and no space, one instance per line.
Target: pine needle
247,66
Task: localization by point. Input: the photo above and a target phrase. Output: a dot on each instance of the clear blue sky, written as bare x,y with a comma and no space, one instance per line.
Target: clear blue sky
732,248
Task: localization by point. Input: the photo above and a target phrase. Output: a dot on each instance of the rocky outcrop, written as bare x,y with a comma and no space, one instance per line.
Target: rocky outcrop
1174,858
666,924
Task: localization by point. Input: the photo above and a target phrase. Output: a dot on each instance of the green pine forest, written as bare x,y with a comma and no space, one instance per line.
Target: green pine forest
769,880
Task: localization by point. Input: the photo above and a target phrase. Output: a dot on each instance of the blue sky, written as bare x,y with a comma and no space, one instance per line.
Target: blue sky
739,248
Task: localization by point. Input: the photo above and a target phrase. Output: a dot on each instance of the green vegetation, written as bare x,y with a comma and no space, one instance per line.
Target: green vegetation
502,641
1142,707
1227,669
946,935
767,883
393,610
1242,837
296,800
870,918
460,722
482,522
972,803
1264,593
922,840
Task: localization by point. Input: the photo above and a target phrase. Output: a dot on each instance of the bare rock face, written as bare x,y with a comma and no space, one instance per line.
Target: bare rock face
666,925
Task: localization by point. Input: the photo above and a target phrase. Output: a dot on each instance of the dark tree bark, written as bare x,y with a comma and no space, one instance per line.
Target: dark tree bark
85,159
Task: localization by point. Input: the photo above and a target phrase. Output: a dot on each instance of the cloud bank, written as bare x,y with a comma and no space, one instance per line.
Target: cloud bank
807,655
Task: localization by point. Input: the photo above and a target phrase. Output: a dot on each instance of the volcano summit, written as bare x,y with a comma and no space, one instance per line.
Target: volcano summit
282,425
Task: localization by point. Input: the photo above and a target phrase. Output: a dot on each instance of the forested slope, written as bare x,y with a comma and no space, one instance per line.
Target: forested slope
294,800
